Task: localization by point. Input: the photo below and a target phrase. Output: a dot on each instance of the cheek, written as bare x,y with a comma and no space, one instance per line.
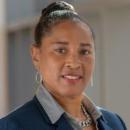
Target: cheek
89,66
50,67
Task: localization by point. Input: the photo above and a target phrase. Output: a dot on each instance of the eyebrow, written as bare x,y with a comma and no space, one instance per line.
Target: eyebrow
81,44
86,45
61,43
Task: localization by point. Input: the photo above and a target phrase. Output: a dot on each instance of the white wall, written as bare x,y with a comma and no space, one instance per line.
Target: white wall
117,61
18,10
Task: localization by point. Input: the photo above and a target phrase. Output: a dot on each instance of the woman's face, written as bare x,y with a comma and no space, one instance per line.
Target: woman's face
66,58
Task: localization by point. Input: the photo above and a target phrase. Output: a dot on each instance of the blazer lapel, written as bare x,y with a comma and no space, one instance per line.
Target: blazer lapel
63,124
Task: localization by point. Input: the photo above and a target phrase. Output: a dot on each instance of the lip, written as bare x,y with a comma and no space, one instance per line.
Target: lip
71,78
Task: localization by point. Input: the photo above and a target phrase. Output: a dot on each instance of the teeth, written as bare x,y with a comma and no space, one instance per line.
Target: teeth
71,77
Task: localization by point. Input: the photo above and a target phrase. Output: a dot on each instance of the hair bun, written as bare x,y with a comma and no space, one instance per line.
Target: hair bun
57,6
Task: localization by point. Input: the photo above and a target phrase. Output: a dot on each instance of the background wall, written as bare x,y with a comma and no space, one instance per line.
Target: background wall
110,22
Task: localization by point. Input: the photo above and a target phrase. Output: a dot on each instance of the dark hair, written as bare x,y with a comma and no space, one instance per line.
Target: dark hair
52,15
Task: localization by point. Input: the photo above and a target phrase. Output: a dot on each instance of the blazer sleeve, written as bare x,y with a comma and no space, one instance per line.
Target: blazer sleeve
122,122
8,125
113,119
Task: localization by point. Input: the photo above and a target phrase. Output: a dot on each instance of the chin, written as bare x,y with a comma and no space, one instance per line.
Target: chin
72,93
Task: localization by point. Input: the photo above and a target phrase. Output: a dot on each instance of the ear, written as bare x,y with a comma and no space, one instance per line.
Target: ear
35,54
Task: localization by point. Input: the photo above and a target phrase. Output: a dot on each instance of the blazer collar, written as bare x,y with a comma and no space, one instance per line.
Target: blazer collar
61,124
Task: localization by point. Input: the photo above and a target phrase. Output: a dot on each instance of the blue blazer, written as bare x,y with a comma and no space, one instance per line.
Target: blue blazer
32,116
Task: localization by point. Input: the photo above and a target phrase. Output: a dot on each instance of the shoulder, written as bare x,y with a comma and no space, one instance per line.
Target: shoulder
20,116
112,119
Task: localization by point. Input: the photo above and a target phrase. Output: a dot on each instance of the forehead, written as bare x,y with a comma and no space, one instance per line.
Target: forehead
70,30
70,26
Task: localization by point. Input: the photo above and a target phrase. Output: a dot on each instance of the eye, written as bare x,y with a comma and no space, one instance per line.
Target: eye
84,52
61,50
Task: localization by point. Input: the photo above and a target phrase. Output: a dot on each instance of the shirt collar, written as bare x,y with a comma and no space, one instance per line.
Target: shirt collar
91,108
49,104
55,111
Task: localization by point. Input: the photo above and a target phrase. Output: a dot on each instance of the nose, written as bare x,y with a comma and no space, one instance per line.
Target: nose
73,62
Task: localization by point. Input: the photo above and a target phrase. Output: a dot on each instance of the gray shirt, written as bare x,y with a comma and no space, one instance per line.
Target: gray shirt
55,111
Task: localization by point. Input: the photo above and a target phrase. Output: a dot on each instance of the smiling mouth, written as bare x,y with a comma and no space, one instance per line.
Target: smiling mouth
72,79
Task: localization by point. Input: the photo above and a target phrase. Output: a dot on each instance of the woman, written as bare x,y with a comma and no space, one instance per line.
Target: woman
64,56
